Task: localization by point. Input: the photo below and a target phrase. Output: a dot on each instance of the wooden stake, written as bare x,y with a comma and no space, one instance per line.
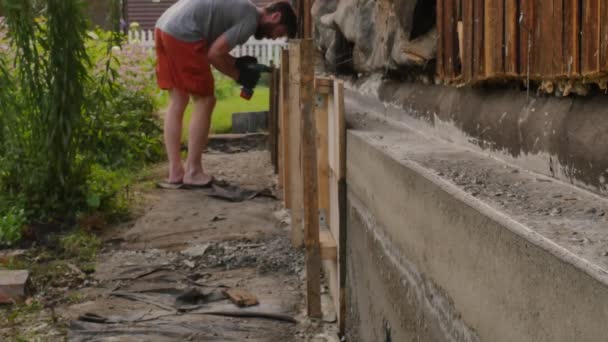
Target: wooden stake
322,88
296,100
273,118
285,124
309,166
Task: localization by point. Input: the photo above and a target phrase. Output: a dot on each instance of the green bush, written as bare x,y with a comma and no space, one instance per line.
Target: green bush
11,226
77,113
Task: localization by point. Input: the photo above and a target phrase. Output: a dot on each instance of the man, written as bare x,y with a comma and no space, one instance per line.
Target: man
191,36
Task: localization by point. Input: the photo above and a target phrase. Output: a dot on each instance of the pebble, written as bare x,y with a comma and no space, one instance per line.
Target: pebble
591,211
556,211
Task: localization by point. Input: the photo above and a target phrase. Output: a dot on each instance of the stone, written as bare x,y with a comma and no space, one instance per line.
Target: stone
13,286
196,251
376,35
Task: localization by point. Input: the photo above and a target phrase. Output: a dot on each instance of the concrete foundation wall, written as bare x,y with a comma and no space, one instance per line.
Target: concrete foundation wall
427,262
564,138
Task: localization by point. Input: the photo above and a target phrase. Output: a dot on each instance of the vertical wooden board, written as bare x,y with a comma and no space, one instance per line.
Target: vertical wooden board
440,42
321,110
494,38
281,133
467,36
337,195
450,39
559,64
590,43
479,72
284,105
603,14
543,55
511,38
571,51
309,167
330,269
337,131
526,37
295,145
273,119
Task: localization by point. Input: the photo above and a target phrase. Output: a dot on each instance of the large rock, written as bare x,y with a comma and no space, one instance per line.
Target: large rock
377,35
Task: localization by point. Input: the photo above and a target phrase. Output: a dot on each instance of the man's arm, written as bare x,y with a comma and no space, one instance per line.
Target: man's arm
219,56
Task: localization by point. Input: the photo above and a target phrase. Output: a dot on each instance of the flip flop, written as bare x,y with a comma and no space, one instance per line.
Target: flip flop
198,186
170,186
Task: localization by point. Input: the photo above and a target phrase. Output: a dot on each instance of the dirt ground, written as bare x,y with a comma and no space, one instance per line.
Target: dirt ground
163,276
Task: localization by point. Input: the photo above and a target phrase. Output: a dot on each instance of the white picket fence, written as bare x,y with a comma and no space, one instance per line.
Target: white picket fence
264,50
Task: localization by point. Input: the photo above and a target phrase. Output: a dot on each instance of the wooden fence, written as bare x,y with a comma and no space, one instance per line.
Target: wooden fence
265,50
522,39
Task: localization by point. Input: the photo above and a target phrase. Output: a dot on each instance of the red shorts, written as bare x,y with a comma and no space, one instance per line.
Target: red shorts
183,65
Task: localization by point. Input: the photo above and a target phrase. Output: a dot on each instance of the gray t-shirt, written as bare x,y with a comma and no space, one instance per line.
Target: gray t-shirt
194,20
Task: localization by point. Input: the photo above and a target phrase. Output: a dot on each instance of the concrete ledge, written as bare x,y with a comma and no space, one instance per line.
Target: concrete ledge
563,138
428,261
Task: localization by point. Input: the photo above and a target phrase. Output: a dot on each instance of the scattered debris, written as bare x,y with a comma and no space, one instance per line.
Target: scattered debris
241,297
6,255
196,251
13,286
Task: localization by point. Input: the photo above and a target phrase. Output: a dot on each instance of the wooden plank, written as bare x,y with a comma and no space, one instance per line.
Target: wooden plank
478,40
468,20
543,55
440,68
572,54
603,13
526,37
295,142
285,133
450,39
557,54
590,43
337,192
321,107
511,38
309,166
273,119
329,248
307,18
494,38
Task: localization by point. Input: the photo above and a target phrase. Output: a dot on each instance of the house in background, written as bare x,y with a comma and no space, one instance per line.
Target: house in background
146,12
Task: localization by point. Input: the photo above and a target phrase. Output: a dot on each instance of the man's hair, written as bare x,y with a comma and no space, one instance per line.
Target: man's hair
288,16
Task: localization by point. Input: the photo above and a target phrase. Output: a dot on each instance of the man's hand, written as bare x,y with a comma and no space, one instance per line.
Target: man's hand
248,76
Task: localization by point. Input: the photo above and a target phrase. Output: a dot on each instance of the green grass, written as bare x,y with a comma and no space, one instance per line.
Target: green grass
221,122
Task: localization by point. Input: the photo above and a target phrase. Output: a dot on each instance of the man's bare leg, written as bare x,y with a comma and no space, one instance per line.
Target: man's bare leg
178,100
197,140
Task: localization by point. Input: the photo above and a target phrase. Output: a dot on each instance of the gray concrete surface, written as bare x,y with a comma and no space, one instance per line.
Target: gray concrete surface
564,138
446,244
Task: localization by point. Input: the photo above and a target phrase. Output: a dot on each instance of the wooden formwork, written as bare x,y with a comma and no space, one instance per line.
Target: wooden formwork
312,168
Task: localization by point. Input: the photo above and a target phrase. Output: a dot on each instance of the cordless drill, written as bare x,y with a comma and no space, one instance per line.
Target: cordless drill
247,93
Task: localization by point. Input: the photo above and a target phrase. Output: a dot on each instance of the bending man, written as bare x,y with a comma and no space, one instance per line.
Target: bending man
191,36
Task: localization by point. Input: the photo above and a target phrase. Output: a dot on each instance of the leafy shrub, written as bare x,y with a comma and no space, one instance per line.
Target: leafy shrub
11,226
76,111
107,190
